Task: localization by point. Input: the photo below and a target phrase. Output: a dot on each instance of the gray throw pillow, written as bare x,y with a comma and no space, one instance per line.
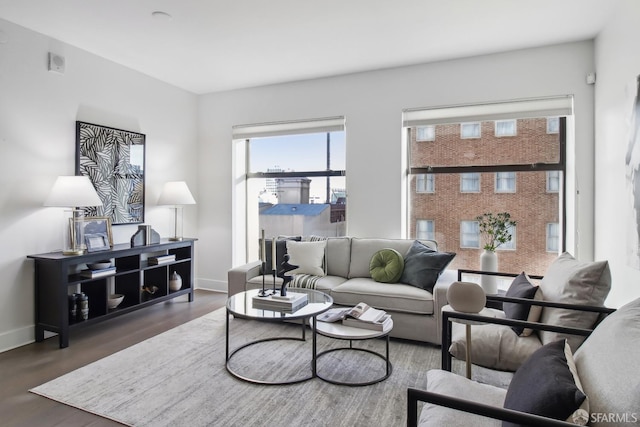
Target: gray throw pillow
521,287
572,281
423,266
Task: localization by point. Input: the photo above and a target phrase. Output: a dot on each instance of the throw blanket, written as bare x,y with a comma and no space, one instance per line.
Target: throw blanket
304,281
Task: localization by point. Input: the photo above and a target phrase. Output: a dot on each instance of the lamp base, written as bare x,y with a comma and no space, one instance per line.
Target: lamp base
73,252
175,239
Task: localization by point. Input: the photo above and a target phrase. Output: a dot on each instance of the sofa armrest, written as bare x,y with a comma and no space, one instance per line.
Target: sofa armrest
237,277
440,300
449,316
523,418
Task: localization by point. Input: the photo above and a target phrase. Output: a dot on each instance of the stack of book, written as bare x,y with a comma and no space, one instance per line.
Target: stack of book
293,301
93,274
161,259
361,316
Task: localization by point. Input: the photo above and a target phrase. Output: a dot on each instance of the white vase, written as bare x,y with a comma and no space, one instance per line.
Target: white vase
175,282
489,262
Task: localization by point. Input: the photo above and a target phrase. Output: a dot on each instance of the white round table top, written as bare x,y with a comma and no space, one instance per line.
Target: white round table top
340,331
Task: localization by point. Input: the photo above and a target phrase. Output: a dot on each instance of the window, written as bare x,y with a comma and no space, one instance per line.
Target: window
425,229
470,183
425,183
518,169
469,234
553,237
425,133
505,182
553,124
293,179
470,130
553,181
511,244
505,128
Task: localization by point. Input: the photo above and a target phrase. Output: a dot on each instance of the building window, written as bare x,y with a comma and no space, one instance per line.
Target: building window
553,181
469,234
425,183
553,124
425,229
505,128
553,237
425,133
511,244
505,182
470,130
470,182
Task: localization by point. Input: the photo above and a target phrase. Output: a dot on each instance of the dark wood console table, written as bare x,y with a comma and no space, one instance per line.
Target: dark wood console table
57,276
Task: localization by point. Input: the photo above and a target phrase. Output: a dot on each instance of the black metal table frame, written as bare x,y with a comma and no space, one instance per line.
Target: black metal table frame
389,366
303,320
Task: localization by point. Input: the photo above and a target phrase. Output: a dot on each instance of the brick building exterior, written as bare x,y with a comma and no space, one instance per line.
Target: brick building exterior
532,204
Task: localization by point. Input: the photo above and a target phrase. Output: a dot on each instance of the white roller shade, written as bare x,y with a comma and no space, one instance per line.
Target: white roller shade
328,124
518,109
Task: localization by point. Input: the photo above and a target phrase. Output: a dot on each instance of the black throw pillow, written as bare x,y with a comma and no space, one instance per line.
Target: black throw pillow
423,266
544,385
520,288
281,250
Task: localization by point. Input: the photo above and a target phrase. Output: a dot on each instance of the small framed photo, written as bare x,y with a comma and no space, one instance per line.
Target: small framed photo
97,242
96,225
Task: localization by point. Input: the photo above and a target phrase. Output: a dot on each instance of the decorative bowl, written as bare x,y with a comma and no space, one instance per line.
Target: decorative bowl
114,300
100,265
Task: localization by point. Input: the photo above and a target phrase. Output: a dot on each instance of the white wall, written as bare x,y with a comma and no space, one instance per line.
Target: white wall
617,67
372,103
38,110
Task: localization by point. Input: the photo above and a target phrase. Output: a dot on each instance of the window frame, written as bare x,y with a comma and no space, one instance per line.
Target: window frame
509,190
501,135
426,178
548,237
432,133
463,233
555,128
474,136
432,232
464,179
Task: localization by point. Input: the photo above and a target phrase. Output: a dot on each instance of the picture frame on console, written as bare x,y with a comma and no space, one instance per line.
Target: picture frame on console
114,161
94,226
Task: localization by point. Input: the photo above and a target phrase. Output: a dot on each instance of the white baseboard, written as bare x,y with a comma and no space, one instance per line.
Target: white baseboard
212,285
17,338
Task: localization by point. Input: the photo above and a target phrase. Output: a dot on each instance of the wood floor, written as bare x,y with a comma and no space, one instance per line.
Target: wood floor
34,364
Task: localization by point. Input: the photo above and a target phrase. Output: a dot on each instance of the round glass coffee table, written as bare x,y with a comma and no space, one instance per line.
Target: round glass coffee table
242,305
339,331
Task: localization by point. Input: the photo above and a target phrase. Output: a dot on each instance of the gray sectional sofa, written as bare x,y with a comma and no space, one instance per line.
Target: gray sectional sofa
415,311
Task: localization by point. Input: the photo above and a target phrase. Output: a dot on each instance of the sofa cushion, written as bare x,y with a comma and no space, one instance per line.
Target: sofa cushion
493,346
386,266
337,256
396,297
608,365
521,287
450,384
544,385
308,256
281,250
362,249
423,266
576,282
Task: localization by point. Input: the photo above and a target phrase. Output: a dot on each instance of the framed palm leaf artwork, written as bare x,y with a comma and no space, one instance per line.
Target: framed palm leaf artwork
113,159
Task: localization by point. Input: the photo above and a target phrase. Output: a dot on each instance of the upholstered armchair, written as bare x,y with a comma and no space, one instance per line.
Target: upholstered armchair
571,294
597,384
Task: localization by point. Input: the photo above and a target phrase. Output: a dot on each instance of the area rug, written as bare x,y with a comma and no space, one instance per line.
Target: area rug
178,378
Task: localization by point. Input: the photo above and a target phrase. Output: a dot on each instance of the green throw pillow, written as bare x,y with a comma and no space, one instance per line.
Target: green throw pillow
386,266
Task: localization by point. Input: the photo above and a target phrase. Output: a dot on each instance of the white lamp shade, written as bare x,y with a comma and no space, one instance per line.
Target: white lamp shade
176,194
73,191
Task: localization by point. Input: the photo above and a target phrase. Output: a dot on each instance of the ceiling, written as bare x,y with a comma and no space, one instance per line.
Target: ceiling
216,45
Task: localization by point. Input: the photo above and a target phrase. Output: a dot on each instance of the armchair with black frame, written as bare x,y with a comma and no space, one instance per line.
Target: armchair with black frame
604,369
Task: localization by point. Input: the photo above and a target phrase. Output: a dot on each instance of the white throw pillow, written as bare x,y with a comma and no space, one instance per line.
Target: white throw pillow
308,256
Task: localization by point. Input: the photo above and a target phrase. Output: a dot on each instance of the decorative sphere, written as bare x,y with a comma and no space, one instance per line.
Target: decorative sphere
466,297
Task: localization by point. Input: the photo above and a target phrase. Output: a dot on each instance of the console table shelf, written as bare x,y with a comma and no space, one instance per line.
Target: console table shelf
57,276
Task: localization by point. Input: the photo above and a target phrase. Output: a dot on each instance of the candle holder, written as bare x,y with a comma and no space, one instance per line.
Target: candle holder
263,292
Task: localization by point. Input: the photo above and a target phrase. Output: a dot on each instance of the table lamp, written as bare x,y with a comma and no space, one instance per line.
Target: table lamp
73,193
176,194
